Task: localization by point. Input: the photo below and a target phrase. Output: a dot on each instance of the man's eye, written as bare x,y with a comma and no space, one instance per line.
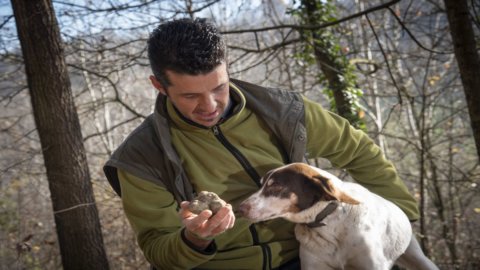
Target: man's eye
189,96
221,89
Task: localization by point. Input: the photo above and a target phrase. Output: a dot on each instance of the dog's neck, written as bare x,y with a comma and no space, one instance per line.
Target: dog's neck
314,214
318,222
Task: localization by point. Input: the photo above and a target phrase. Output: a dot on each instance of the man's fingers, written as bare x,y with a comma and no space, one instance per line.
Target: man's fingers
198,221
231,217
184,212
222,221
231,222
206,224
222,227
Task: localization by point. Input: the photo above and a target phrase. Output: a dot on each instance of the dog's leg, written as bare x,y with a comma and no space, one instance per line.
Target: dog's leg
414,258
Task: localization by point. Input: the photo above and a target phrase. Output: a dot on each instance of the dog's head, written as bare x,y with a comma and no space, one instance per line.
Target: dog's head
291,189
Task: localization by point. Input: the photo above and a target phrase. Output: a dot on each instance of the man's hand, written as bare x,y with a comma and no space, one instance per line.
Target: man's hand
202,228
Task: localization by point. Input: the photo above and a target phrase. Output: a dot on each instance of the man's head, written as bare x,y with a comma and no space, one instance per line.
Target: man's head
185,46
189,66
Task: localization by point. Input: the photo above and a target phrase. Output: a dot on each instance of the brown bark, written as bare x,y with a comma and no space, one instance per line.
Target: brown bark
76,215
463,37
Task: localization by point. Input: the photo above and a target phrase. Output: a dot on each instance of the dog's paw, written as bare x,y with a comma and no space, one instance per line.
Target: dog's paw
206,200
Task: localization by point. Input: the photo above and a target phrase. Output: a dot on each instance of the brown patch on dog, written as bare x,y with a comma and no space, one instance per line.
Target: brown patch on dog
333,192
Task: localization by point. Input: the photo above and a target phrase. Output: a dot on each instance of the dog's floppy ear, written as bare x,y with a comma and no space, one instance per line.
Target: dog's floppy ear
333,193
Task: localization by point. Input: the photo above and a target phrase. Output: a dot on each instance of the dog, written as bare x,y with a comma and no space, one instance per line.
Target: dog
340,225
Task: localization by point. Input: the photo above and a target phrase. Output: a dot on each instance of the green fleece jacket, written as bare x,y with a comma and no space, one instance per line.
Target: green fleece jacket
210,158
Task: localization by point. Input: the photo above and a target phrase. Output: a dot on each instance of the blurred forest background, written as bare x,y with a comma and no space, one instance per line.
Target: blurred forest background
393,63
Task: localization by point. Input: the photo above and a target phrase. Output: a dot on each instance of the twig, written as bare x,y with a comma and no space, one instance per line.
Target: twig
386,60
6,21
115,89
412,36
312,27
72,208
260,50
110,129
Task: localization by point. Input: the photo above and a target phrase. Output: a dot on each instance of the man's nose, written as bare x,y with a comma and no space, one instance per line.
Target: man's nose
209,103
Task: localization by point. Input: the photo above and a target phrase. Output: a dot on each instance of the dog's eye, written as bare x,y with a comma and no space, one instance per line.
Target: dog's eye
262,180
265,177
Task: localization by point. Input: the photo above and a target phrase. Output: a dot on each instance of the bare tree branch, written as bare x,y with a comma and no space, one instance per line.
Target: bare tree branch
110,129
5,21
312,27
273,47
110,9
412,36
114,87
124,7
386,60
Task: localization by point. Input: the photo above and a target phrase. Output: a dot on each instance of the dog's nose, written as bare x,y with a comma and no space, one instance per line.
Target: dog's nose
244,208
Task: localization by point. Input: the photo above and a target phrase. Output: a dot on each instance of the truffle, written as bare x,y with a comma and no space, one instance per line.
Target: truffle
206,200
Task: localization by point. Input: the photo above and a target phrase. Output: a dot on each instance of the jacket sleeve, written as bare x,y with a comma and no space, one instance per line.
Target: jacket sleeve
332,137
152,213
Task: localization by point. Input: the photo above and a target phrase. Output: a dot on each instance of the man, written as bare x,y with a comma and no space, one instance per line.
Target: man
209,132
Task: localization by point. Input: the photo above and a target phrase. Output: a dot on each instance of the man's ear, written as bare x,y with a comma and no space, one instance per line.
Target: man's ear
157,85
333,193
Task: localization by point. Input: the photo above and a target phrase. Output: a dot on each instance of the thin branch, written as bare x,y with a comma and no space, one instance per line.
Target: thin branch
412,36
110,9
386,60
15,164
103,49
10,96
73,207
256,41
313,27
265,59
123,7
114,86
260,50
109,129
8,18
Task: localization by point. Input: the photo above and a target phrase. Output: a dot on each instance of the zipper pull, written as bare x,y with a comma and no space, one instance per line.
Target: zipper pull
215,130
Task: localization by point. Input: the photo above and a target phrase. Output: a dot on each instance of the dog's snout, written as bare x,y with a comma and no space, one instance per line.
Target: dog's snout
244,208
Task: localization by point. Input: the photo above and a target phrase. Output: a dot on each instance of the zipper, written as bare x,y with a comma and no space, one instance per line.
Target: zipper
266,252
238,155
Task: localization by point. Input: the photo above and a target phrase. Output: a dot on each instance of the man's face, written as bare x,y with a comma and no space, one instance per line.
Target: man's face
200,98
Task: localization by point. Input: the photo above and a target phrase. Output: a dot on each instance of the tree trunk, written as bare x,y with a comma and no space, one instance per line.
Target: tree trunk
76,216
329,63
467,58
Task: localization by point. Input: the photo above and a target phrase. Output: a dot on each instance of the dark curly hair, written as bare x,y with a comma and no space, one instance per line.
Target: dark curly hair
185,46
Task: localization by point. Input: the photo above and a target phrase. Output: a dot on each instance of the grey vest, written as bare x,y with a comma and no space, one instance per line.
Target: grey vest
148,152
